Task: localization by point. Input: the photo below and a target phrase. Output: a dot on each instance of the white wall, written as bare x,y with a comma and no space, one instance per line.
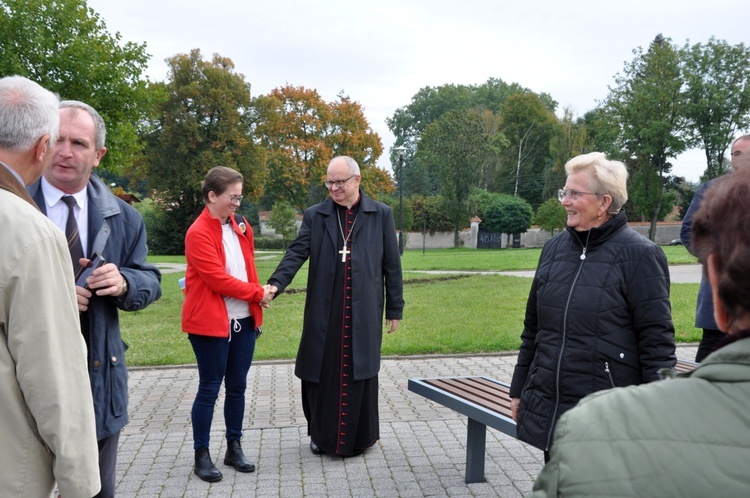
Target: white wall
534,237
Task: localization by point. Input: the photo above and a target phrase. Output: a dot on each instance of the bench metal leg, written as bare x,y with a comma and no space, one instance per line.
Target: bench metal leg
476,438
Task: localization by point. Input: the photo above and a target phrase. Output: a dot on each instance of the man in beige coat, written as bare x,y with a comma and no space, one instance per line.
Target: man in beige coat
47,429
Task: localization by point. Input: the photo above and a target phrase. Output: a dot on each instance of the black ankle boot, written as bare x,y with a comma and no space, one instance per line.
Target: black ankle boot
204,467
235,458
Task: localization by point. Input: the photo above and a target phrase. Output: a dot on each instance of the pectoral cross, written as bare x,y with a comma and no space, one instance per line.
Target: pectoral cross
344,253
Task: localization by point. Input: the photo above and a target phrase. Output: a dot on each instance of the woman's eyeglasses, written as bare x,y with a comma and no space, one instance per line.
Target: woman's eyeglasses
572,194
234,199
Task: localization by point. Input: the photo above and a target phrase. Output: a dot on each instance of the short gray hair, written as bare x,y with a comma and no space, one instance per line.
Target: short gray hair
739,139
607,177
28,112
353,166
100,130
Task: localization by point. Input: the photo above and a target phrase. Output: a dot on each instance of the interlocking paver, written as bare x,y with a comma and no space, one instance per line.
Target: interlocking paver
421,451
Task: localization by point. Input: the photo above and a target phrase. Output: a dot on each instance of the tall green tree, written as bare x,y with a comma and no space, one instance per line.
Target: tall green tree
717,92
64,46
649,106
431,103
452,147
603,132
528,125
569,139
202,123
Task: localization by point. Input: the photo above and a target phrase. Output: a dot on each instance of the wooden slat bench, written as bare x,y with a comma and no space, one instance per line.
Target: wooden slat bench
486,402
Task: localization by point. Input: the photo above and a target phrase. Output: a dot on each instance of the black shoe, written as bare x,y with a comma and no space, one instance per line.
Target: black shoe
314,448
204,467
235,458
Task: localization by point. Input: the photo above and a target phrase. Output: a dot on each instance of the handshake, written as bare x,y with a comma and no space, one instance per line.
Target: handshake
269,292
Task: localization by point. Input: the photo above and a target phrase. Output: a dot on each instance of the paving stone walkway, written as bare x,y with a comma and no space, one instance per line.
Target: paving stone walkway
421,451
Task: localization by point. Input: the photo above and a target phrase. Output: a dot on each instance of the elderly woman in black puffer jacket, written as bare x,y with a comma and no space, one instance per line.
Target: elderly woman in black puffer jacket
598,314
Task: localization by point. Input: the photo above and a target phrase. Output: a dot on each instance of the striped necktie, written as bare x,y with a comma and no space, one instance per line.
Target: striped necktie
71,232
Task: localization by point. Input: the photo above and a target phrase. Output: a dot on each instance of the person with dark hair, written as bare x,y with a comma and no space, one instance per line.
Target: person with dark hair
354,276
598,314
98,223
704,312
222,315
685,436
47,426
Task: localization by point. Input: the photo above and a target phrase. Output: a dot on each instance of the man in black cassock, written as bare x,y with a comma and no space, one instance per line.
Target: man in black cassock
354,272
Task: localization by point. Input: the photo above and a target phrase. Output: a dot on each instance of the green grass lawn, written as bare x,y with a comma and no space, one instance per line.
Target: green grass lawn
444,314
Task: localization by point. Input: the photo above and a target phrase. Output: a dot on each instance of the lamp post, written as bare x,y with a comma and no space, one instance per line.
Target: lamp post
401,149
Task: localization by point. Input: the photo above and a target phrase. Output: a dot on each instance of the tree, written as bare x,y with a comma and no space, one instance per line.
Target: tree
430,104
430,213
408,214
202,123
569,139
283,221
480,201
551,216
452,147
648,106
603,132
65,47
302,133
717,79
510,215
528,126
290,124
350,134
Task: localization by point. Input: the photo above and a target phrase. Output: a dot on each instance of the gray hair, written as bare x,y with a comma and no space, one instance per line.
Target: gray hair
353,166
100,130
28,112
740,138
607,177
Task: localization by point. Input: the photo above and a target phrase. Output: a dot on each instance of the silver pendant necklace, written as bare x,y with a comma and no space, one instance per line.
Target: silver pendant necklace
345,250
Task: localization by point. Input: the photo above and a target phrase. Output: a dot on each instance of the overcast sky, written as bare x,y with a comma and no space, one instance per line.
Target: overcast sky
381,52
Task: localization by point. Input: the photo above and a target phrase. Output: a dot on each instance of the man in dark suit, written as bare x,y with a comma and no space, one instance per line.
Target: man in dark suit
354,272
704,312
107,226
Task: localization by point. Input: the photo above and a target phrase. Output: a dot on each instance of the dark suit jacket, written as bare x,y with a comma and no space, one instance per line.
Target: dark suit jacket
704,312
118,233
376,271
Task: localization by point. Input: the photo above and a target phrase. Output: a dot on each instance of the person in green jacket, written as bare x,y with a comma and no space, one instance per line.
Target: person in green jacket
688,435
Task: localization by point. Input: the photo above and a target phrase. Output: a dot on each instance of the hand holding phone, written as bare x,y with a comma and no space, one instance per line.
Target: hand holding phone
96,261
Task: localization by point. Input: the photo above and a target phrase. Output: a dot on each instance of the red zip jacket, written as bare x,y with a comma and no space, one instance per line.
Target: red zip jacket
207,281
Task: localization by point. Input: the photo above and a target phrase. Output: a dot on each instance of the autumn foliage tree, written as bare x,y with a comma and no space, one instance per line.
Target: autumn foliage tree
302,133
202,123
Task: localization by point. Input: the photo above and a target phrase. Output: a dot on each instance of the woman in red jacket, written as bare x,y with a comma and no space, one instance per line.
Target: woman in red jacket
222,315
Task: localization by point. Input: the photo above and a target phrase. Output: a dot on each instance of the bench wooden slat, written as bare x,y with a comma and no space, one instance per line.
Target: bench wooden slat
486,402
685,365
477,390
